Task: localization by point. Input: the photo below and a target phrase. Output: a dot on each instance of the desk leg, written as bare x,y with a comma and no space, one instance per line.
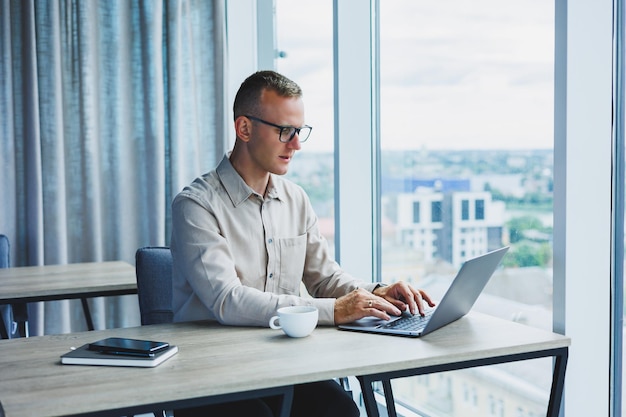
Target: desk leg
3,329
560,356
20,316
391,402
371,407
87,313
558,381
287,399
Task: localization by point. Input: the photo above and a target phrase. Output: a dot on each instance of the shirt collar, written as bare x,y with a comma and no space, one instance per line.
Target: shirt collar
236,187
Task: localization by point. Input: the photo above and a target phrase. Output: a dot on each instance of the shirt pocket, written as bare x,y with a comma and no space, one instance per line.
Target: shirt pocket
292,257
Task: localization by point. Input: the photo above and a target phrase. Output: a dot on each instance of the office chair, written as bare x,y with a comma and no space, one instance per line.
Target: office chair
153,269
154,284
6,315
14,317
5,252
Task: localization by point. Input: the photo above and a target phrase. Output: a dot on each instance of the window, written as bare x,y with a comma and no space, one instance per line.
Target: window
435,211
416,212
469,88
479,209
465,210
305,55
496,407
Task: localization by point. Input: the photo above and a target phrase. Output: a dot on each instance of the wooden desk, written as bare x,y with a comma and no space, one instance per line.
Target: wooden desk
218,363
64,282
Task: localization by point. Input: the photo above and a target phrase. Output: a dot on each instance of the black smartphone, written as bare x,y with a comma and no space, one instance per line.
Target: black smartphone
131,347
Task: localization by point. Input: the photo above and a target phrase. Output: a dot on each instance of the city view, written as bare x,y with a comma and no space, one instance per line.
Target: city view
517,185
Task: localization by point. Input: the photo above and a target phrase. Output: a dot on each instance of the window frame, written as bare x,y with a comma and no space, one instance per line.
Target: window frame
582,220
618,209
357,197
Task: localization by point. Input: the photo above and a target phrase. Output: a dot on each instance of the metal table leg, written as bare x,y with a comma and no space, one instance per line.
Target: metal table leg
87,313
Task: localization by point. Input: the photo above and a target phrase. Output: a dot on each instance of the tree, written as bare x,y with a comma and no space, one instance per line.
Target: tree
527,253
518,225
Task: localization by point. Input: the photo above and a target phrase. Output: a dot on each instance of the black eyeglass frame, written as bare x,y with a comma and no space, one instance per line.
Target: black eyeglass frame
296,130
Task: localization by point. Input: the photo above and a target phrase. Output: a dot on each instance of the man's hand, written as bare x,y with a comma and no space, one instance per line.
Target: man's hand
392,299
362,303
402,295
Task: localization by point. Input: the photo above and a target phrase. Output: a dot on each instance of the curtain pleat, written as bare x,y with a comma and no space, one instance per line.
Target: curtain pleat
108,108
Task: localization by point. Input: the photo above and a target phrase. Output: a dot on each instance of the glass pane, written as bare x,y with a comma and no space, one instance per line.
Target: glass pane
304,32
467,157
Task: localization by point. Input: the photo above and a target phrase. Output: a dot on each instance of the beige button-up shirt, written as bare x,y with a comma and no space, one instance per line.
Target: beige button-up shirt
238,256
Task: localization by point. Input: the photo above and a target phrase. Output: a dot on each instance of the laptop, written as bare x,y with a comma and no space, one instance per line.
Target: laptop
456,302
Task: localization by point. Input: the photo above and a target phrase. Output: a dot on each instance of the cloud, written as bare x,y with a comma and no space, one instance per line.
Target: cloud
454,74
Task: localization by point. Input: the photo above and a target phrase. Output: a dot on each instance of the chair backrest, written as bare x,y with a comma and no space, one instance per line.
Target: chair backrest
154,284
5,252
6,315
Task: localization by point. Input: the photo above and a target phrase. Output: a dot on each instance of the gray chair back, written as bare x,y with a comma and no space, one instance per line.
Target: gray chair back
5,252
6,316
154,284
14,316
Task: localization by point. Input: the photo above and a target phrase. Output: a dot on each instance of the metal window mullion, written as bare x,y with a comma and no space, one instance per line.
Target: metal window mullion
618,181
355,124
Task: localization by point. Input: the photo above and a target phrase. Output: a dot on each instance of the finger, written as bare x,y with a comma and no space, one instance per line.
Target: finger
411,297
401,305
420,303
416,301
396,296
424,297
375,312
382,304
427,298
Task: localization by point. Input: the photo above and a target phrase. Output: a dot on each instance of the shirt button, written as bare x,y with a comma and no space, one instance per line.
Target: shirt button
271,275
270,240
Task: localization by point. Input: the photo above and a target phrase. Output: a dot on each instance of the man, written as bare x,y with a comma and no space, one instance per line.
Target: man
244,239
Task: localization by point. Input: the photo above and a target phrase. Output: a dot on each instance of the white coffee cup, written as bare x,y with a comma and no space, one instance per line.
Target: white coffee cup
295,321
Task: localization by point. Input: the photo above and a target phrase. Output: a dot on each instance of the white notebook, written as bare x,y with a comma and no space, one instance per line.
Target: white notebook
84,356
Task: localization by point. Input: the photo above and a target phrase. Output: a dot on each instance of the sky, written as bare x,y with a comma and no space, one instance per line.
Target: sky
455,74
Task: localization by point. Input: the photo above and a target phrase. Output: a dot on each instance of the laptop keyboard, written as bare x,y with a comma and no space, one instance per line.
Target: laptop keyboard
409,322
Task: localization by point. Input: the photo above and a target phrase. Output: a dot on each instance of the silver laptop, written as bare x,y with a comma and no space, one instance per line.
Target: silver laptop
456,302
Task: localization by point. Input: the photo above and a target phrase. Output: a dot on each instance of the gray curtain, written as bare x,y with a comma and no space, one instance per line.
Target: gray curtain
107,109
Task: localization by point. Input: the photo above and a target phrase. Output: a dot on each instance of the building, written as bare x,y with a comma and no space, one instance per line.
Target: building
453,224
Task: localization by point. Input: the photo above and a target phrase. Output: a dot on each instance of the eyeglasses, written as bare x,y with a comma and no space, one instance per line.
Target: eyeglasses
287,133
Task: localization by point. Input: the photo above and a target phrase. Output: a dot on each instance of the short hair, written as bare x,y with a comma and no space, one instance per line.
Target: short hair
248,98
